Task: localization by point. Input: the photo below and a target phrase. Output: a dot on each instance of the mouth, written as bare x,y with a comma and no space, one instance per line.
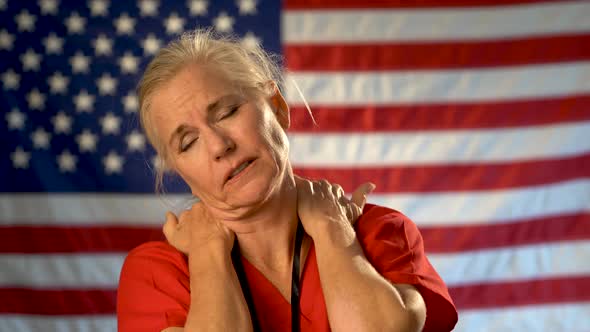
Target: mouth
239,170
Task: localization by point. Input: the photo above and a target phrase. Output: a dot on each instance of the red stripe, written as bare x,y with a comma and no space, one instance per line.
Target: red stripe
372,118
437,55
62,239
57,302
443,239
356,4
520,293
478,296
74,239
455,239
423,178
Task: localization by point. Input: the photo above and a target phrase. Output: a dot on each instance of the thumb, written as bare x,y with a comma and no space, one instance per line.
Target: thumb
170,225
359,196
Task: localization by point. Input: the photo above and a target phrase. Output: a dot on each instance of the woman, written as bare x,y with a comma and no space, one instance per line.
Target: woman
263,249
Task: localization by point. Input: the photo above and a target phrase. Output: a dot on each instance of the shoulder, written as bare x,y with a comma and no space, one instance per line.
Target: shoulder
156,258
379,222
154,288
394,246
155,253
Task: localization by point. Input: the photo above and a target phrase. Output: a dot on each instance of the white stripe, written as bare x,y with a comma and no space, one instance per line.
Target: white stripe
344,150
572,317
87,209
539,261
61,270
518,263
493,206
430,209
398,25
33,323
439,86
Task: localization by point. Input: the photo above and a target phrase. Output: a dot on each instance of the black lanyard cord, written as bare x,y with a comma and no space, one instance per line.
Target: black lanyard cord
295,291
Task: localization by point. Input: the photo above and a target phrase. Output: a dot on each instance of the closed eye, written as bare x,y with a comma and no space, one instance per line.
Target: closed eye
232,110
186,142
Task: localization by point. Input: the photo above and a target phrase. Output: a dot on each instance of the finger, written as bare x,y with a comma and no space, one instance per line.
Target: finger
325,184
337,190
304,186
170,225
359,196
301,182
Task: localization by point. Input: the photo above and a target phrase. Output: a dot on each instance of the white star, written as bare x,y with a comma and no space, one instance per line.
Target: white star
128,63
124,24
62,123
36,100
106,84
15,119
148,7
6,40
197,7
247,7
2,4
250,40
30,60
10,80
103,45
40,138
130,103
84,102
58,83
25,21
53,44
48,7
135,141
223,22
151,44
79,63
87,141
110,124
20,158
113,163
67,162
98,7
174,24
75,23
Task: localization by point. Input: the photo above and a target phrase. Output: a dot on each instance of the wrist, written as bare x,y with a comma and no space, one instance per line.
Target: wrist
334,233
211,257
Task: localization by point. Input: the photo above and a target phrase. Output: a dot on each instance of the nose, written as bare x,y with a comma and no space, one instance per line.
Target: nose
219,143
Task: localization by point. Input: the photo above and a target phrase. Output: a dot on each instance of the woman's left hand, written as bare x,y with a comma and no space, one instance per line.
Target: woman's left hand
322,204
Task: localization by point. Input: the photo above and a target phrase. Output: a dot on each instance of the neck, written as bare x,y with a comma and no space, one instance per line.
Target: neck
266,239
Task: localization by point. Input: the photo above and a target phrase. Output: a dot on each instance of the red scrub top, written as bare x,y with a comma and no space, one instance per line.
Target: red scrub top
154,285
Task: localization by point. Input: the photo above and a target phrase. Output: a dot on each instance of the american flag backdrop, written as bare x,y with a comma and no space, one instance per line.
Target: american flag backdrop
472,117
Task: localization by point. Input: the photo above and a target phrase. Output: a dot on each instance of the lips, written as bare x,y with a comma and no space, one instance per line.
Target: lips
238,169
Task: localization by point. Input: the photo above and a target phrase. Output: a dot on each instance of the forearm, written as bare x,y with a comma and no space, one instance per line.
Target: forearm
357,297
217,302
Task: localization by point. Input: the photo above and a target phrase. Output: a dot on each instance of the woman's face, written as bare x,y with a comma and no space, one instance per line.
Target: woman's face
230,149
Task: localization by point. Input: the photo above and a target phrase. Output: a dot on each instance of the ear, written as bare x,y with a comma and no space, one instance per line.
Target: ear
280,107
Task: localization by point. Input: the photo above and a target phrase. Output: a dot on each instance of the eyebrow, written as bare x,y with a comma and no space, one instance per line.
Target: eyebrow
211,108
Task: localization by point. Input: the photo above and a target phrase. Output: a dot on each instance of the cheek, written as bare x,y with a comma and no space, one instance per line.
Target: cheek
274,134
278,143
189,172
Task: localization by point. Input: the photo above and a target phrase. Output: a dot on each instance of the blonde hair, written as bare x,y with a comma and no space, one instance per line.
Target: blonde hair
248,69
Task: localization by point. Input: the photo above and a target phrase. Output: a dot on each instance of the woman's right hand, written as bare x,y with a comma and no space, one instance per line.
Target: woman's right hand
196,228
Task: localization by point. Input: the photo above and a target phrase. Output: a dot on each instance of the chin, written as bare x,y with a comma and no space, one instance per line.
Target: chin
256,192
